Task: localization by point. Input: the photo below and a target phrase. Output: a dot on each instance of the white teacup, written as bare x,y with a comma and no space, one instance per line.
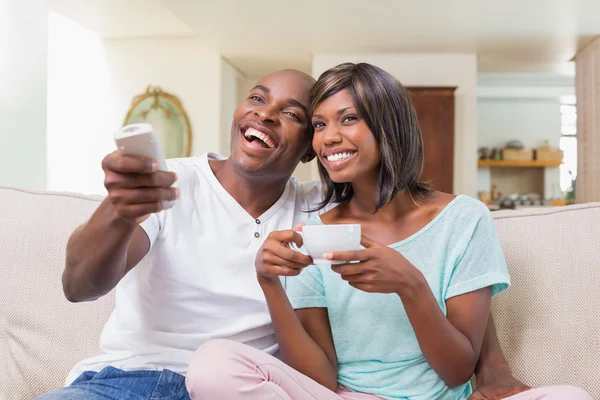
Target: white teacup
321,239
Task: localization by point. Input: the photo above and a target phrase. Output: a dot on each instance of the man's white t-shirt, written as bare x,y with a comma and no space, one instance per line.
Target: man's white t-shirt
198,282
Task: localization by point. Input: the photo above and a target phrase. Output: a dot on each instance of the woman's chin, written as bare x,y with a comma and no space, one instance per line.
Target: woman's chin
338,177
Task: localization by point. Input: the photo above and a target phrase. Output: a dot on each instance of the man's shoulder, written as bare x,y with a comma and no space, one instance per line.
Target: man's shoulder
310,193
185,163
189,169
307,187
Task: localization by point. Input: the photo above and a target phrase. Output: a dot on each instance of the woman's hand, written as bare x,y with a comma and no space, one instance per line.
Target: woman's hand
275,258
379,269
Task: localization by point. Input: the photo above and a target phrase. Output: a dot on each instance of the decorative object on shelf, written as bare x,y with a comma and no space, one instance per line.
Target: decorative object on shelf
485,153
548,153
531,199
510,154
495,193
518,164
168,117
496,154
515,151
515,144
485,198
507,203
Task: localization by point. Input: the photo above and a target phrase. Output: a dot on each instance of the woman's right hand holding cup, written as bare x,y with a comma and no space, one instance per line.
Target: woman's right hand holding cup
275,258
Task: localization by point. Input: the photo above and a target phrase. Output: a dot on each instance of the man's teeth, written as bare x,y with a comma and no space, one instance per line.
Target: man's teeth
339,156
264,138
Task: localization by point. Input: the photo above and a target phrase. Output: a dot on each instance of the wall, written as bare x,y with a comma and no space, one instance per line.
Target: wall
231,81
532,121
248,83
23,71
81,112
459,70
183,67
92,84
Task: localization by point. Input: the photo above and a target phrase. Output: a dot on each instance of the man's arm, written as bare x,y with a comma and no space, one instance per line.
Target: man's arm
100,253
494,376
111,243
491,360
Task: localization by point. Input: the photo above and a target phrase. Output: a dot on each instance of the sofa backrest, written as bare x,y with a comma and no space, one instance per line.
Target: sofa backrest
548,322
42,335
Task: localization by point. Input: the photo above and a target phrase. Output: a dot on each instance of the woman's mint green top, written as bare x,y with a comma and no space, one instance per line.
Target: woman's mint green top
377,350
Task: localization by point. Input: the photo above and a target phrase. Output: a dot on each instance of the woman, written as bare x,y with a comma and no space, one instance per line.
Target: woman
406,319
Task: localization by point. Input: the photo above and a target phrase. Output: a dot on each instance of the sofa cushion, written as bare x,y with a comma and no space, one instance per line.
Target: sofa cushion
42,335
548,322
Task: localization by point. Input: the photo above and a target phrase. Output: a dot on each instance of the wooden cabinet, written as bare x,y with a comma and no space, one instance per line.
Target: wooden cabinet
435,111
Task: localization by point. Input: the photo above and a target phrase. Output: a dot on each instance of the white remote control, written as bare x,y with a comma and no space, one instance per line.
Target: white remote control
141,140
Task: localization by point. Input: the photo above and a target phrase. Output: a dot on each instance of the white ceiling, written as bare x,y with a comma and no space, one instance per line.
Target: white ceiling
260,35
123,18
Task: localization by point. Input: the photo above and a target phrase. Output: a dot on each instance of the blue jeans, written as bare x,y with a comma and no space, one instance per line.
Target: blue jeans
115,384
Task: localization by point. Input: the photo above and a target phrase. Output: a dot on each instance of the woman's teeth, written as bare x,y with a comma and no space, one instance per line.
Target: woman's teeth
257,134
339,156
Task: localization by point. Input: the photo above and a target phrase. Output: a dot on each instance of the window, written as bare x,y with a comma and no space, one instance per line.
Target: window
568,143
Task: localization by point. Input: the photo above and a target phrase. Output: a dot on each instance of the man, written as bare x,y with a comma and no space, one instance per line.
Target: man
186,275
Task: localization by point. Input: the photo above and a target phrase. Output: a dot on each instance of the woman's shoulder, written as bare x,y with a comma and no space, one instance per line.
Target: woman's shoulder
455,209
467,205
463,211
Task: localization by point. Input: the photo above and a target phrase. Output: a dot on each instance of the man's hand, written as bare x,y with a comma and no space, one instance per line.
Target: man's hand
135,187
275,258
499,388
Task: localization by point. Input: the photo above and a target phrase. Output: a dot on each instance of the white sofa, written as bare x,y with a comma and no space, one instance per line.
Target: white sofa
548,322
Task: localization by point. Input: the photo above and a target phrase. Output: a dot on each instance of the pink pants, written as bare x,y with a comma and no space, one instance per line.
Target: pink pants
225,370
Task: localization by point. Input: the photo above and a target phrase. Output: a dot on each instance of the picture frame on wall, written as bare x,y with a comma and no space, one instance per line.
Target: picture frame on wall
165,112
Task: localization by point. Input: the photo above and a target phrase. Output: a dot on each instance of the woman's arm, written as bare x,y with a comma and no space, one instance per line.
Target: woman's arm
305,339
452,344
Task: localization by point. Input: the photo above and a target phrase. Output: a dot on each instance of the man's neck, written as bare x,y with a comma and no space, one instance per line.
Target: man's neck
255,196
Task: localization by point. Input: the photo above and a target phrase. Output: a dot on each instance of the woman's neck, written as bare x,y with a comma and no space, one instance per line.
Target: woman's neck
362,203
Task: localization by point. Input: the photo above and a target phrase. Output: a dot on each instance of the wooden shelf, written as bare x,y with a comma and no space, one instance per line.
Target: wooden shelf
518,164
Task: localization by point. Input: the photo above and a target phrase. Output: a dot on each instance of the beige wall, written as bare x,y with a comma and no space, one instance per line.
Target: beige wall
183,67
93,86
231,81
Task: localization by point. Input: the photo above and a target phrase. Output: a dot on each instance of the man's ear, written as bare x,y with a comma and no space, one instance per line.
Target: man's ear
308,156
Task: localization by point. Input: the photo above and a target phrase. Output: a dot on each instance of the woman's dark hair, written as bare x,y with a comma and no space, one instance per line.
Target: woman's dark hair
386,107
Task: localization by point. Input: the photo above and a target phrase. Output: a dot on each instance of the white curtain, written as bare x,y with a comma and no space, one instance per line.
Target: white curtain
588,123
